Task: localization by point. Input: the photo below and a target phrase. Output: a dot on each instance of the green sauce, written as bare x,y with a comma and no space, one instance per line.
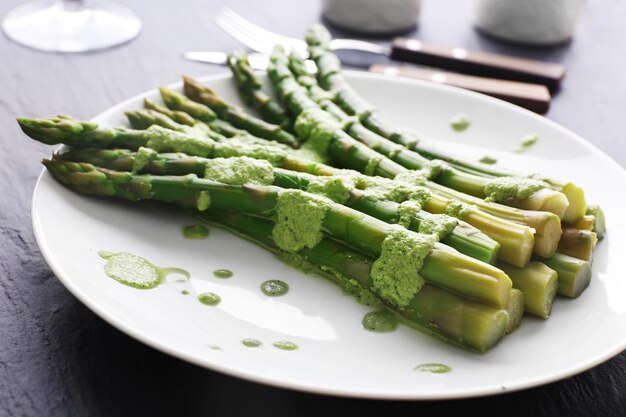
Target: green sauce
222,273
380,321
488,160
527,142
184,292
285,345
251,343
433,368
214,347
274,288
209,299
299,219
196,231
240,170
394,275
135,271
460,122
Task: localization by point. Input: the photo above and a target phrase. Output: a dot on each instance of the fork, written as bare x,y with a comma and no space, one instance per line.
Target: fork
262,40
403,49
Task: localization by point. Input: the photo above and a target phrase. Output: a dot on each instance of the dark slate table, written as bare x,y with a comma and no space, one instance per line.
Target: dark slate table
57,358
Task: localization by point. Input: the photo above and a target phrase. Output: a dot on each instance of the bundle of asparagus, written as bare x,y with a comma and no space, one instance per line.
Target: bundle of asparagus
455,249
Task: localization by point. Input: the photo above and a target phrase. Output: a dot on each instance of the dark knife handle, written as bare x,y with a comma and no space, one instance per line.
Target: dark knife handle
534,97
478,63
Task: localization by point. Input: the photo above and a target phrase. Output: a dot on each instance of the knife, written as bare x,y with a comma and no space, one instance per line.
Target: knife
534,97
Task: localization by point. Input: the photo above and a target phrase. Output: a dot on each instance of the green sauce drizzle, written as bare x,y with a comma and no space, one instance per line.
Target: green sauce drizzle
196,231
285,345
135,271
433,368
251,343
214,347
380,321
527,142
209,299
299,219
394,275
488,160
274,288
460,122
184,292
222,273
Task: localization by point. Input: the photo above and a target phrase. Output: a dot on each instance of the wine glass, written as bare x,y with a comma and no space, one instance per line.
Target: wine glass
71,25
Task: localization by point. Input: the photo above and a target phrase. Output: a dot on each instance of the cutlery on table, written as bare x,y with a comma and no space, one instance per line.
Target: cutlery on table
408,50
535,97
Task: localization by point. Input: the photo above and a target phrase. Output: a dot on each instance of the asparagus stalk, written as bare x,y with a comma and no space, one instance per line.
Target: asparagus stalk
539,285
515,310
435,311
464,238
182,117
516,240
574,275
443,266
331,77
578,243
586,222
250,90
599,225
202,95
143,119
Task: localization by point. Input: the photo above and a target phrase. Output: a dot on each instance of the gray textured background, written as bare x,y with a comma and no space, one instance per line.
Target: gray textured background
57,358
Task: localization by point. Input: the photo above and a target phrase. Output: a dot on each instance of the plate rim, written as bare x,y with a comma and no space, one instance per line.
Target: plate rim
214,365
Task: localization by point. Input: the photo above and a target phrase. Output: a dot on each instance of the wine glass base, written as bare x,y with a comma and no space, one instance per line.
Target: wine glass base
51,27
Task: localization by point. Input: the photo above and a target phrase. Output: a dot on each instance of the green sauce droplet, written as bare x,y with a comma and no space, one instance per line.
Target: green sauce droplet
527,142
184,292
380,321
433,368
196,231
460,122
285,345
214,347
251,342
274,288
488,160
209,298
222,273
135,271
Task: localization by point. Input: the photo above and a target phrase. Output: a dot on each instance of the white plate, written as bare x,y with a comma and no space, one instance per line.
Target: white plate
336,356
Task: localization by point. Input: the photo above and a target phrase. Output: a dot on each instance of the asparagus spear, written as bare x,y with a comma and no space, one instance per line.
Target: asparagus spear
331,77
442,266
515,310
574,275
442,314
182,117
202,95
463,237
516,241
143,119
578,243
249,86
539,285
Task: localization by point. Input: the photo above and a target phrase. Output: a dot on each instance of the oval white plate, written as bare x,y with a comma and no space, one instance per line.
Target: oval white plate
335,355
